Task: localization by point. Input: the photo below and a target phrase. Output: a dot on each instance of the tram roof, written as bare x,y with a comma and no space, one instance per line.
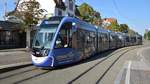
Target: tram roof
100,29
80,24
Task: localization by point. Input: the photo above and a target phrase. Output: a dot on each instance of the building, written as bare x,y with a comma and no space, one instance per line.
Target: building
11,35
55,7
110,20
107,21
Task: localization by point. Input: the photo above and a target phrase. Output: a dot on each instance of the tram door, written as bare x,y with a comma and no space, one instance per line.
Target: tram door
100,48
63,45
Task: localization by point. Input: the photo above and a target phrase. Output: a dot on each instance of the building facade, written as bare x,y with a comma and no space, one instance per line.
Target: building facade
108,21
11,35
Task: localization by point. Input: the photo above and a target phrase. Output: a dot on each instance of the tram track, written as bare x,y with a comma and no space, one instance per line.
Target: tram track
111,66
17,73
31,73
34,76
22,75
123,51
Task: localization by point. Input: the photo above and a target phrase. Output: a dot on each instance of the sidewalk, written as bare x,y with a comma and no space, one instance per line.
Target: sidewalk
10,58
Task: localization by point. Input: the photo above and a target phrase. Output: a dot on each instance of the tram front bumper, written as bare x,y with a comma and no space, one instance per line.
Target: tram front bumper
43,61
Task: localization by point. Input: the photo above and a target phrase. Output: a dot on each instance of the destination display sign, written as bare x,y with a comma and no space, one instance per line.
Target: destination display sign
51,22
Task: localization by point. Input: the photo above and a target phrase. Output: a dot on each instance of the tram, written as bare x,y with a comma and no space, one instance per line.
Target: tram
65,40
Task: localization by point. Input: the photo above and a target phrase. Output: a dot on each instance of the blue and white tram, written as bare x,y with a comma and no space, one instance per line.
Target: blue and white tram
63,40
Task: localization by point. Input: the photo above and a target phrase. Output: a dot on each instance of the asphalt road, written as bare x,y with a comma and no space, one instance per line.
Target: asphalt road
127,65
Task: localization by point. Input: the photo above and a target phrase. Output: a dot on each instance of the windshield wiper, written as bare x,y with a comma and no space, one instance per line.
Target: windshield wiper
42,47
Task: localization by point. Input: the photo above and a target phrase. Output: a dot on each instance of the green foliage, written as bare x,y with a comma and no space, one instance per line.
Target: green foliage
85,10
147,35
29,12
97,18
88,14
131,32
114,27
121,28
124,28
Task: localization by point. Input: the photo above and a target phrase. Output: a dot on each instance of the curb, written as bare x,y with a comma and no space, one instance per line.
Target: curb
9,67
13,50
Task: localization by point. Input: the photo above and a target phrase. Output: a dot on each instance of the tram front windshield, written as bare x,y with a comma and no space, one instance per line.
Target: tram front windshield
44,37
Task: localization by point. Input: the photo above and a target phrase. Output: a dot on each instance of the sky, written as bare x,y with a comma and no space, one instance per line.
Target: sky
135,13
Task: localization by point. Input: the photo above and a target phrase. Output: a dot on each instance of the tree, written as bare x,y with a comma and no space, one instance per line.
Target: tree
147,35
88,14
123,28
114,27
131,32
97,18
30,13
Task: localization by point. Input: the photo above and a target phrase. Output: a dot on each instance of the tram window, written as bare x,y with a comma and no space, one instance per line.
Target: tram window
105,37
127,39
59,43
40,39
64,37
111,38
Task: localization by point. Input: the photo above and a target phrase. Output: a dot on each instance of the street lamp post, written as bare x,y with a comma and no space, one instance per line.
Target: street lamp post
5,9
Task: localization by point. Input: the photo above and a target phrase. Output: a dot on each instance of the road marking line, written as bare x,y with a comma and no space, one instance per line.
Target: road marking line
140,54
120,74
127,80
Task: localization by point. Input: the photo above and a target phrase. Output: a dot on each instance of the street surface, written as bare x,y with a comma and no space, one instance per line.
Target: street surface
12,56
129,65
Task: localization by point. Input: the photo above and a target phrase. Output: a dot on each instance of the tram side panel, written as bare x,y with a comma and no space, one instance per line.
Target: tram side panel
86,41
112,41
102,40
99,44
118,41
